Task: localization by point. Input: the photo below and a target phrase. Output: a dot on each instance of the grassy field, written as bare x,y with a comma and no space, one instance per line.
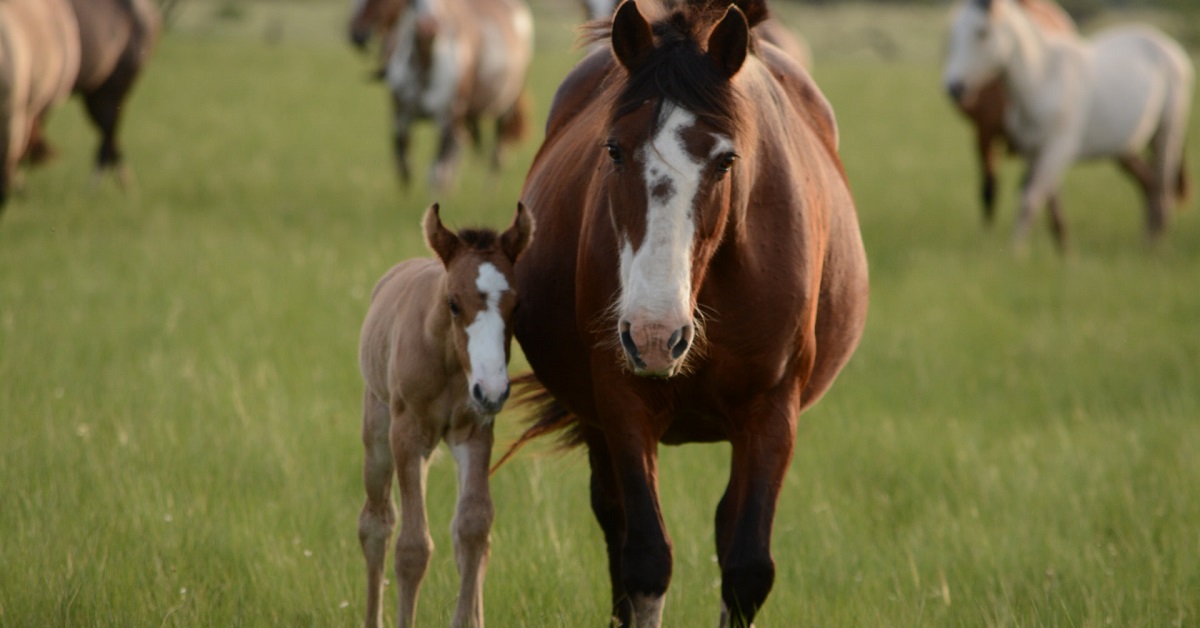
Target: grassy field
1014,444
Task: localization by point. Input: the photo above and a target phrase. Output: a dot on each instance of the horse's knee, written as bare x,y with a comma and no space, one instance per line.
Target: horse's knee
413,556
375,523
473,522
745,583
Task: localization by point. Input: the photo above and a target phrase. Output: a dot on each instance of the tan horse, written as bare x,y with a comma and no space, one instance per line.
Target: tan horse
986,110
39,60
454,62
434,355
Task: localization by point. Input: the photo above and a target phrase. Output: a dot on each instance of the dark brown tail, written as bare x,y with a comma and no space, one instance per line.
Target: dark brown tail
549,417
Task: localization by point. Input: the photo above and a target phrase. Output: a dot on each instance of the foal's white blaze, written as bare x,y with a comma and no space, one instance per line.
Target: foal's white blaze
656,278
485,338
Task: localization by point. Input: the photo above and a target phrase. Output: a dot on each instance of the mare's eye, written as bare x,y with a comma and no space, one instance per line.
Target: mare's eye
614,152
454,311
725,163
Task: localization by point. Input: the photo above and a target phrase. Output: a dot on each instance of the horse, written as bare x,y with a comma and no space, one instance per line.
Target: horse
433,353
117,38
772,31
454,62
39,60
985,110
698,276
1115,95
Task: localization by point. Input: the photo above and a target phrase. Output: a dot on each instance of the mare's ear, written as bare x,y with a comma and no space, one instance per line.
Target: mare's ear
729,42
756,11
441,240
517,237
632,39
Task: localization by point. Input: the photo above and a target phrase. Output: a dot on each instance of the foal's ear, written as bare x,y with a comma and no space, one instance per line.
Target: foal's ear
632,39
729,42
517,237
441,240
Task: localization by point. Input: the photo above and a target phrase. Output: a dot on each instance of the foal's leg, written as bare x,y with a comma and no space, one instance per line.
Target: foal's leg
378,517
746,514
472,449
413,442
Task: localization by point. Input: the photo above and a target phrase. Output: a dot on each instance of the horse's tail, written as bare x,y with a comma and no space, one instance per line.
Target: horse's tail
514,124
549,417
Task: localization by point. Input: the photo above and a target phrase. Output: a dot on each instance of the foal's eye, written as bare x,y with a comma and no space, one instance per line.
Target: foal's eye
614,152
725,163
454,311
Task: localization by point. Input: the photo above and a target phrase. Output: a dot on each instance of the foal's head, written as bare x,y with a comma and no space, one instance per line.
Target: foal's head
977,47
675,138
480,296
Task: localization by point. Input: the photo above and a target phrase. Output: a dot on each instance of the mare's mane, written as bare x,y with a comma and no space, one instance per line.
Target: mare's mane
678,69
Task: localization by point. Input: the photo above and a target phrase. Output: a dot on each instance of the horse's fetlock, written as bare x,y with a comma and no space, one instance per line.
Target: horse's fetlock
746,582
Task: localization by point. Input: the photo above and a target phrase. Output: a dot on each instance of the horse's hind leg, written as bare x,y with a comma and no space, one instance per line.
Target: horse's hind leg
1058,226
412,444
511,126
378,517
401,123
445,166
104,107
745,515
472,449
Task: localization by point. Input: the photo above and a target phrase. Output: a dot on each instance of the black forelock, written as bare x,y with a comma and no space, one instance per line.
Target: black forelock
479,238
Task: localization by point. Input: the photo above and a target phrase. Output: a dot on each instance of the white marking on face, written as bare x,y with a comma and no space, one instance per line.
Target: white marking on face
485,337
656,278
969,54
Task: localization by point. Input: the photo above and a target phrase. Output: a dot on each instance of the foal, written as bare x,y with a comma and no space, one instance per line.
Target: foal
434,356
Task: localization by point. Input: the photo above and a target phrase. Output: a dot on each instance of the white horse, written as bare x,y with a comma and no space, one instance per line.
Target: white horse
1125,90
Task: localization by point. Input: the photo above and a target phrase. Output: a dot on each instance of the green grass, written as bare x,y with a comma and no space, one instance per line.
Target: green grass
1014,443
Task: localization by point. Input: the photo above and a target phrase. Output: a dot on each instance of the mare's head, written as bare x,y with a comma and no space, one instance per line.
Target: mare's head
675,137
480,296
977,48
371,15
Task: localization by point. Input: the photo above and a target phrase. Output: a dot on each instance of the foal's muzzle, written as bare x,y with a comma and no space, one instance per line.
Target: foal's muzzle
489,402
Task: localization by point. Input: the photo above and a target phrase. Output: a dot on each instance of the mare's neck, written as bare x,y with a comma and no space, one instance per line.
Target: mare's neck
1027,68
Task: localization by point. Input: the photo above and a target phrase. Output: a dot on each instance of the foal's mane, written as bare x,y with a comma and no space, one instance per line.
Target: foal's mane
678,69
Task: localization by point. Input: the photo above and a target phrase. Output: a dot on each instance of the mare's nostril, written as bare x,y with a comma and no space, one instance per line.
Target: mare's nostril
477,392
630,348
679,341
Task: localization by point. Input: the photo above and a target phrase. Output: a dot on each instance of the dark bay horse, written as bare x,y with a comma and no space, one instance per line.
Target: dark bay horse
698,276
116,38
434,357
455,62
39,60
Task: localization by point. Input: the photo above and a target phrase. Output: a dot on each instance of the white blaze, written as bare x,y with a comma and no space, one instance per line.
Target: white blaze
485,337
656,278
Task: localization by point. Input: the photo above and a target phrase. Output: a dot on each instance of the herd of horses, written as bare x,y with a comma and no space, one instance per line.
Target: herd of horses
697,273
50,49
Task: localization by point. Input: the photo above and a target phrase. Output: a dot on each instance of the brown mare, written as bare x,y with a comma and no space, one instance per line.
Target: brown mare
434,356
698,276
455,62
986,110
39,60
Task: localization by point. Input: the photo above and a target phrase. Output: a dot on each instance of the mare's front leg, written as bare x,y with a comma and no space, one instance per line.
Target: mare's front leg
985,140
472,448
1042,181
413,441
402,119
378,517
445,167
762,446
645,561
610,514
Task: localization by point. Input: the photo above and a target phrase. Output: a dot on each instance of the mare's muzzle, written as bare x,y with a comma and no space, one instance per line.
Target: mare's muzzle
655,350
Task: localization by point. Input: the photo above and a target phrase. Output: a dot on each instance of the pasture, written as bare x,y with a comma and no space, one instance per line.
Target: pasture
1014,443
